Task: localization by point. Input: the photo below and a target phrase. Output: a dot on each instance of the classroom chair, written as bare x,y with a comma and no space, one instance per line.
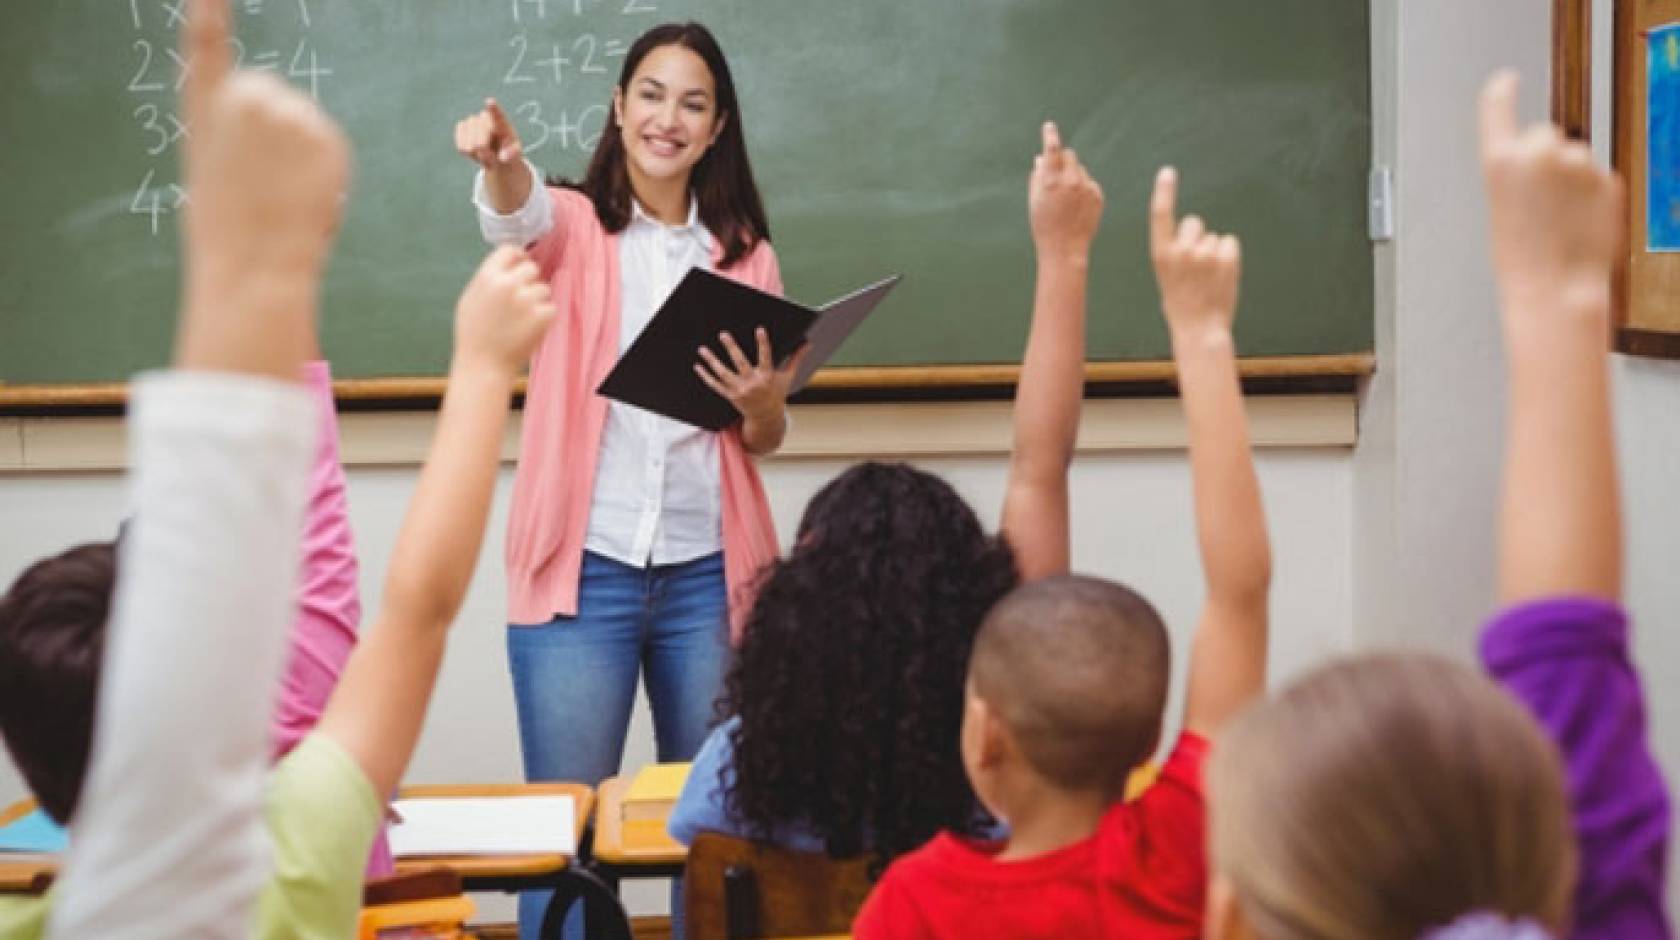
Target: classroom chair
735,889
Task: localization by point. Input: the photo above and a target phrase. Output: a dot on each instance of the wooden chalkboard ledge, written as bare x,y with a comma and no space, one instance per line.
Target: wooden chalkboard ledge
1312,374
851,431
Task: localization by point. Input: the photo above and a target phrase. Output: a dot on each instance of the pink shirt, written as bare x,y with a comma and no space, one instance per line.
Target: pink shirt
564,418
329,609
328,606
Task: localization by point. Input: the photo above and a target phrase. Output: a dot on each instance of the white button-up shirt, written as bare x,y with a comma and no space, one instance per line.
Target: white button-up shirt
658,496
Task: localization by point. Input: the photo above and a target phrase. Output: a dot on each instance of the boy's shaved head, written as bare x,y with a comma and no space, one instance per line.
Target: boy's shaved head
1076,668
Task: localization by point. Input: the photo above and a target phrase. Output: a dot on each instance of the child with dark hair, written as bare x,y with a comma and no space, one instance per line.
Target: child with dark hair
170,805
864,630
52,635
1068,682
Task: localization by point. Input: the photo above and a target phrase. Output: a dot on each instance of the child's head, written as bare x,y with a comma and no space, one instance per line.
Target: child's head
675,116
1066,687
52,638
1383,797
848,682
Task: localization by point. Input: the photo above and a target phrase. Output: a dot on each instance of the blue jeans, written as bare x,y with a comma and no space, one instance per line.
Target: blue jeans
574,678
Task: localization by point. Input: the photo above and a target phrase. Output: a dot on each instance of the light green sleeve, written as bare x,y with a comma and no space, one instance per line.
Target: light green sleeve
23,917
323,815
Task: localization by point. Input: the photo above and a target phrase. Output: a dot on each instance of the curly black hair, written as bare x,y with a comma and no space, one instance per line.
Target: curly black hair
849,681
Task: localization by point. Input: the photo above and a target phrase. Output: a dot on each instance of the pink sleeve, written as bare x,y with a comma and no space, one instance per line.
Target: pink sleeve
328,605
549,251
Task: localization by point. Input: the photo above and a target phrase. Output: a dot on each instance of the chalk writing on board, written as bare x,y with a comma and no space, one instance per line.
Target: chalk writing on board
287,48
547,55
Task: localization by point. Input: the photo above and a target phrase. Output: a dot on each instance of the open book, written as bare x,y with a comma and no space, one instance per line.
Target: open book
657,371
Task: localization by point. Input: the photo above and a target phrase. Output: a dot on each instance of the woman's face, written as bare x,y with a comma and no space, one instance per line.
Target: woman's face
668,114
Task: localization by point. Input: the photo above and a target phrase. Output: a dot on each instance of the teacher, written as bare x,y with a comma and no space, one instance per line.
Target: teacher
633,539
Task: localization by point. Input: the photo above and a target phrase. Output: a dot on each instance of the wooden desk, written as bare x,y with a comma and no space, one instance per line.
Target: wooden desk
609,834
477,871
604,915
481,869
23,874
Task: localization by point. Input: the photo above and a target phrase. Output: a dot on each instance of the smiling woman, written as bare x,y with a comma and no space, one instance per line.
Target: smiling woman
632,538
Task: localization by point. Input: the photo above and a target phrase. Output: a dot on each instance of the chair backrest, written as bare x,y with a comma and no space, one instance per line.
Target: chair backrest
736,889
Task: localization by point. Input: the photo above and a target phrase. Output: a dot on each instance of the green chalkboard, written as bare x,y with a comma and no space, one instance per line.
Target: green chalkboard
888,136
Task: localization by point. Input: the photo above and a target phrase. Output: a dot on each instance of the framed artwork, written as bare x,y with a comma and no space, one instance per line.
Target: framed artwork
1645,149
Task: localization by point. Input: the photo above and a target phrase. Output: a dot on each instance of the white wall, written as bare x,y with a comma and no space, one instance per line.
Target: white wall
1427,461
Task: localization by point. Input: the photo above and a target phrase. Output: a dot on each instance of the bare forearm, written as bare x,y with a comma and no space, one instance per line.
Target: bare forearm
763,434
1230,519
1052,371
438,546
260,322
1560,528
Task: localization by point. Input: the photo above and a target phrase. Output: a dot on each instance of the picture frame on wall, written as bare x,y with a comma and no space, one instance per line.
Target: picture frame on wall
1645,150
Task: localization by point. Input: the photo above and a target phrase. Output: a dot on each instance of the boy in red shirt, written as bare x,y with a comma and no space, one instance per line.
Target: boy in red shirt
1068,680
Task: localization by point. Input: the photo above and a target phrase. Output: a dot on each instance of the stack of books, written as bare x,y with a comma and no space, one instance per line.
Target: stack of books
648,802
426,905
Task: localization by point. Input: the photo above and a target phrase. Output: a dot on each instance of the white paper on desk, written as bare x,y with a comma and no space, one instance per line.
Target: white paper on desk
489,825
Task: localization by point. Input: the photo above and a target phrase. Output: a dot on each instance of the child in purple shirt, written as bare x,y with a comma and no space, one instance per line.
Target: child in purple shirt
1567,659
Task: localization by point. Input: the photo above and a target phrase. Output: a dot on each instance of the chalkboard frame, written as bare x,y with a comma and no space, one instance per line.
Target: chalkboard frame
855,383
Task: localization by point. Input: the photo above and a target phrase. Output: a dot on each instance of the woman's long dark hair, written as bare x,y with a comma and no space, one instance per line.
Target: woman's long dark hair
849,682
722,181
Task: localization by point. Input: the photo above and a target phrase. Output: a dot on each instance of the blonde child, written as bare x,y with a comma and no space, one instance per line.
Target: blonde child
1397,797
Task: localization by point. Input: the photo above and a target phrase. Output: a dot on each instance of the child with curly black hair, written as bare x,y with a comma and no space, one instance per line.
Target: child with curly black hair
845,699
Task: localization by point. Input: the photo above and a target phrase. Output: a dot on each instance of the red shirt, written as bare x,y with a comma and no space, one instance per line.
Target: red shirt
1142,874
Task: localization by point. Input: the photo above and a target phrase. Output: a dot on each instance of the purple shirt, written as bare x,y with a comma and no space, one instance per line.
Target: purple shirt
1567,660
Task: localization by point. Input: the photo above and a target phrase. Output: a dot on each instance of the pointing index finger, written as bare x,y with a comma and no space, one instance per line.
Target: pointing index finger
204,46
1052,137
1499,110
498,117
1162,204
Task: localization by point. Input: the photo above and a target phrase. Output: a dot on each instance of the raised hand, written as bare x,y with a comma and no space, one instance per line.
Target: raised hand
1197,270
488,138
1064,204
1556,215
503,312
758,390
266,170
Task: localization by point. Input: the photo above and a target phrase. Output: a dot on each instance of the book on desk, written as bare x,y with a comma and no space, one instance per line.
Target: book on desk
648,802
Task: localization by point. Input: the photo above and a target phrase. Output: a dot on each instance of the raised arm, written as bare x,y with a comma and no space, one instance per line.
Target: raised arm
1555,218
379,706
1064,206
1198,272
1563,646
166,839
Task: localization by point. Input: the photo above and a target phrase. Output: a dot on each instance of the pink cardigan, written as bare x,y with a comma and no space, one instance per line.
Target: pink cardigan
564,417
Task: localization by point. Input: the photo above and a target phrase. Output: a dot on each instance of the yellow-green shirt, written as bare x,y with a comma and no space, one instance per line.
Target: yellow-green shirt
322,815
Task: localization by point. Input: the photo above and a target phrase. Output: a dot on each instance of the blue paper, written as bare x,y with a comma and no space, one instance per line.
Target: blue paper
1662,141
35,832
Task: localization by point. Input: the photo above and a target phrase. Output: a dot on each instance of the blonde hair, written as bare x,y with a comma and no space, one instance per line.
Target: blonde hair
1380,797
